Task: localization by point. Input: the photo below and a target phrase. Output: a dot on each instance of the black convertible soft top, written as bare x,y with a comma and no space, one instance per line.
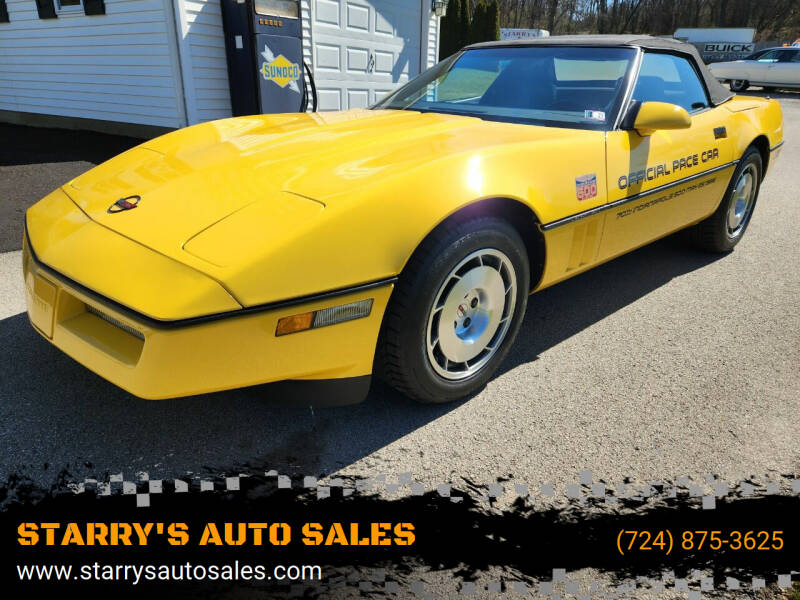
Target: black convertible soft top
716,91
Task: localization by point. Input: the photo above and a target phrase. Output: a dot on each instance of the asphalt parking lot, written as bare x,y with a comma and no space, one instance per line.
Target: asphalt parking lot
665,362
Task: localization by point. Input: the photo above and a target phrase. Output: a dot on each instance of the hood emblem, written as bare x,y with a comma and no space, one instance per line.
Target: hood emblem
126,203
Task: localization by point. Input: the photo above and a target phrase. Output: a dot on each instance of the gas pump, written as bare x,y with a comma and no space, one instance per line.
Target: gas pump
264,44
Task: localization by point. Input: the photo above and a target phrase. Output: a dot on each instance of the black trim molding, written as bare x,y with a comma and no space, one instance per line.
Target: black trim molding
627,199
94,7
46,9
776,146
161,324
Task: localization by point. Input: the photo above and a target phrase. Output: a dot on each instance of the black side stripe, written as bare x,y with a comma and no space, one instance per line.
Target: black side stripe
776,146
634,197
161,324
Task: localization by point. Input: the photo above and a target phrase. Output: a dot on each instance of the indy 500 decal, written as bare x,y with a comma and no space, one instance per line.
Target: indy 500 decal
586,186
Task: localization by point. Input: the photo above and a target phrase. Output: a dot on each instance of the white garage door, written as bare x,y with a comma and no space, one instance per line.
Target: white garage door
363,49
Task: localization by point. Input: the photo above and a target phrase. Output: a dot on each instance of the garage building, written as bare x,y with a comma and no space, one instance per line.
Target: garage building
114,64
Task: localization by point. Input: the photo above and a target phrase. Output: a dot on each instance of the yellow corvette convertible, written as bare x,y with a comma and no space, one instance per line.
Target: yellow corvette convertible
402,240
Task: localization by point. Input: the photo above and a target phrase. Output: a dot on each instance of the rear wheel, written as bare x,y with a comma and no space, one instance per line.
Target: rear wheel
722,230
739,85
455,311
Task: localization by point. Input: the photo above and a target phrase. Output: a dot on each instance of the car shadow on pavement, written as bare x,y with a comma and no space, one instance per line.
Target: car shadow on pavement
55,414
559,312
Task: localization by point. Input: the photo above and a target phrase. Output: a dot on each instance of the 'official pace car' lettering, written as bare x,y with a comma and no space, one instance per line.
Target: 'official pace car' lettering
664,169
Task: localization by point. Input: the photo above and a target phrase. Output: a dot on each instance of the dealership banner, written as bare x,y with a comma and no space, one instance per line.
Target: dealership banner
299,536
507,33
720,51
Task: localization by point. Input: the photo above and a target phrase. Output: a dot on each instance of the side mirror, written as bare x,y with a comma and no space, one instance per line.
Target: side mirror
649,117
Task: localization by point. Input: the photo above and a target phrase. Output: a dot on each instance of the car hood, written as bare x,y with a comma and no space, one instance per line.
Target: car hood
219,195
192,178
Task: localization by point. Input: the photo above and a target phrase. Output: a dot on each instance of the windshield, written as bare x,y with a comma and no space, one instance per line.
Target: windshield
557,86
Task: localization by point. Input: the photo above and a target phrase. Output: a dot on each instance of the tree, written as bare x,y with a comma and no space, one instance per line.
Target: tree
485,22
493,20
463,26
774,20
477,28
450,37
552,11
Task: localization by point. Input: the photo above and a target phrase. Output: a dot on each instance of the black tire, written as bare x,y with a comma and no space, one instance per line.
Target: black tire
739,85
402,358
714,234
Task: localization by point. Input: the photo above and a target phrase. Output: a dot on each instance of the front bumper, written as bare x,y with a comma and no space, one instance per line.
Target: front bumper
156,361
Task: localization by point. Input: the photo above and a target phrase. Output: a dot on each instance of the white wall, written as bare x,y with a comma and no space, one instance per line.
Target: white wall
430,37
119,66
204,62
153,62
305,17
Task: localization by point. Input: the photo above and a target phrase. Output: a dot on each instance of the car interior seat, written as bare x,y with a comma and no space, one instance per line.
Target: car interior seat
650,88
524,83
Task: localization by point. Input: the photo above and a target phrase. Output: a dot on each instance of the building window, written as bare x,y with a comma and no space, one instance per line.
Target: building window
69,6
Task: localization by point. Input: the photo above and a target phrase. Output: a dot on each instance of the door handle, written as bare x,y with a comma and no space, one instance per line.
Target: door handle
720,133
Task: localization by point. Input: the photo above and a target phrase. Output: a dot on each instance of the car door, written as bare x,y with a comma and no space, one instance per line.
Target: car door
742,69
786,71
758,71
664,181
739,69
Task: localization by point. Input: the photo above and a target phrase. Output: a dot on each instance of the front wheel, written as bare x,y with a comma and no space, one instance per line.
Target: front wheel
724,229
739,85
455,311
